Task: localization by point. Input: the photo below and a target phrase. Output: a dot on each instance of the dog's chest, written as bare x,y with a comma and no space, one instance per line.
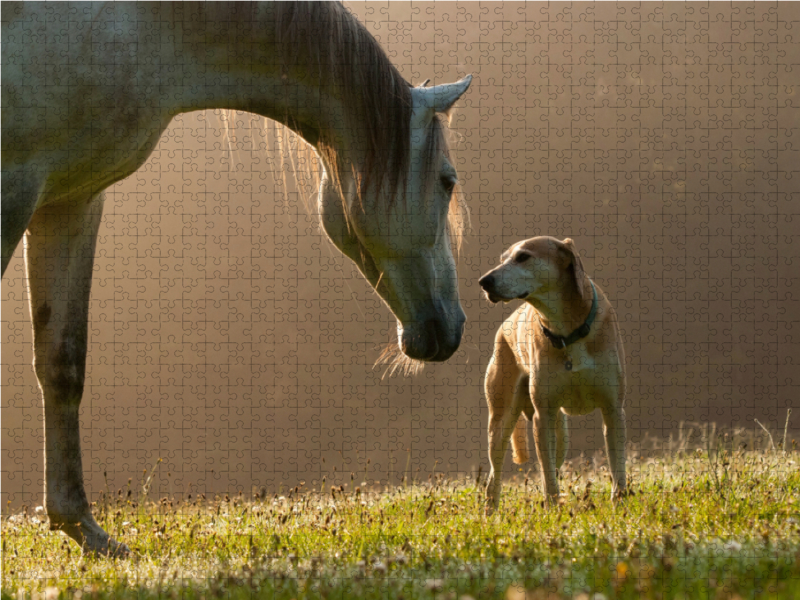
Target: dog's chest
567,365
577,390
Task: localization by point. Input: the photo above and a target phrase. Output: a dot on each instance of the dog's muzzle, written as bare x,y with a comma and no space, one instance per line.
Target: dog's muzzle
487,283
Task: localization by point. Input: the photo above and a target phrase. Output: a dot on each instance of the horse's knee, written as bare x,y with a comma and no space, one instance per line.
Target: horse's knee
61,369
62,383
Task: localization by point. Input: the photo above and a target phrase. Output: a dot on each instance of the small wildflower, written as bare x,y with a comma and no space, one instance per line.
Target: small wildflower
434,585
733,546
380,568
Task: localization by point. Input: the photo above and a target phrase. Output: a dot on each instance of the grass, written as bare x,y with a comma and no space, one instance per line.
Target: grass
702,523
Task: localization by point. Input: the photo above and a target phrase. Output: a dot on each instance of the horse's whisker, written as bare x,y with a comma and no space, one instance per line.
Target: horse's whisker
395,361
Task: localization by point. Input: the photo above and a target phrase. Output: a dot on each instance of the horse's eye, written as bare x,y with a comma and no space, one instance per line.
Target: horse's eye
449,182
521,257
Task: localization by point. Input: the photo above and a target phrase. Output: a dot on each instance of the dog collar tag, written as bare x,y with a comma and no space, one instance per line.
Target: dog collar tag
568,365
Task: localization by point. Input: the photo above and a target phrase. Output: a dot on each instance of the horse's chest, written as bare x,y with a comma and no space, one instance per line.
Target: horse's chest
104,134
116,144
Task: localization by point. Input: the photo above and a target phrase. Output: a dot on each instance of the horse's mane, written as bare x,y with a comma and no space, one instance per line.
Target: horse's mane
325,43
346,60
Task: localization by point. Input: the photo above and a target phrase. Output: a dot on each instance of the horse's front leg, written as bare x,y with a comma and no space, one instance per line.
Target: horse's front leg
59,253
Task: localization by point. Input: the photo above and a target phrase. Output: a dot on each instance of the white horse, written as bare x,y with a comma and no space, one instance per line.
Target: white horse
88,90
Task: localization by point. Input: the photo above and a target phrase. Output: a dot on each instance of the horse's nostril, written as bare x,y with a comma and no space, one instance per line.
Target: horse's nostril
486,281
432,328
421,342
435,339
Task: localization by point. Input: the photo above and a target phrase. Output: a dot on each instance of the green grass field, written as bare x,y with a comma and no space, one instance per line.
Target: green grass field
698,525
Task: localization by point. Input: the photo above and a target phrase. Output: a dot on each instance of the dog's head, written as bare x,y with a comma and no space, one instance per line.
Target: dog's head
533,268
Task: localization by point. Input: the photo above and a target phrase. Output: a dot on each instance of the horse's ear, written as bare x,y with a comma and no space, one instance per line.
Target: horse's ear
440,98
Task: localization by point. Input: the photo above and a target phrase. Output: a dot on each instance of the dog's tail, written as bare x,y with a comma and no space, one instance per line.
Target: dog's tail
519,441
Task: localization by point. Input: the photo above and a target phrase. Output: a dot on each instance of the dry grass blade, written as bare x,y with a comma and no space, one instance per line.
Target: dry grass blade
769,435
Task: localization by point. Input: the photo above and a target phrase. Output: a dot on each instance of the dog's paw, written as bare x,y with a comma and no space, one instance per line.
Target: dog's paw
491,505
621,494
553,500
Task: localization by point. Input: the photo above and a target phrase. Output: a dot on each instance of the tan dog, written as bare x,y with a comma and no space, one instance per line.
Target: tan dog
558,354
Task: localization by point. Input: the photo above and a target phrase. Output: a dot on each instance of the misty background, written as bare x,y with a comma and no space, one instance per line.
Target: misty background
231,339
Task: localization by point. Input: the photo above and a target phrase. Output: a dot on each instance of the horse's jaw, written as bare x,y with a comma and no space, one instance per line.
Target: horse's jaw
429,322
424,299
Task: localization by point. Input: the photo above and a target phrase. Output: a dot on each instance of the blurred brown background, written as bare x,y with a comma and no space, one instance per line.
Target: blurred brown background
231,339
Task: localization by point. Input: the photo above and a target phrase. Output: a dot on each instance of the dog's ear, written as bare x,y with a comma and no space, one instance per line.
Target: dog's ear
574,266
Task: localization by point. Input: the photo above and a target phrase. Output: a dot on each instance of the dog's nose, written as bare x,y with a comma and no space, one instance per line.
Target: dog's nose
486,281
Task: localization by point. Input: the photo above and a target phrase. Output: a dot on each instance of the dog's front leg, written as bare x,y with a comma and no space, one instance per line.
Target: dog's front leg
505,407
614,432
497,455
500,429
545,436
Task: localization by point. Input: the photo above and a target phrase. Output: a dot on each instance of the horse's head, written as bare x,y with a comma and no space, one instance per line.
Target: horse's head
399,235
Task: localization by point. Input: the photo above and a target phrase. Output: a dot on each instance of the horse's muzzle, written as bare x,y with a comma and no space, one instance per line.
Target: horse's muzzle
434,340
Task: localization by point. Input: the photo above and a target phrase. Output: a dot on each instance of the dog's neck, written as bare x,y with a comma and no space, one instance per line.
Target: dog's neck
565,308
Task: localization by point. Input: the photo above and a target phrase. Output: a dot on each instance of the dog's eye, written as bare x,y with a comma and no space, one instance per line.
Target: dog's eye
521,257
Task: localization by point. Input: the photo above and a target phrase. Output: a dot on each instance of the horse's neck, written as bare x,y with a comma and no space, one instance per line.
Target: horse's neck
228,60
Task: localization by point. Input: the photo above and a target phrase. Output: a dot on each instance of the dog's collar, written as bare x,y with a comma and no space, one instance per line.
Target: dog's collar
560,341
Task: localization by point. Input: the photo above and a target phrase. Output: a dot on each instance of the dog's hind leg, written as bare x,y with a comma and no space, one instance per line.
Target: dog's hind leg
504,410
519,442
59,252
614,432
562,438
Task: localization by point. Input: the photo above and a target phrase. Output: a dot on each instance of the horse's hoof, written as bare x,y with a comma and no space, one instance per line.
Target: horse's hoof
112,549
94,540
